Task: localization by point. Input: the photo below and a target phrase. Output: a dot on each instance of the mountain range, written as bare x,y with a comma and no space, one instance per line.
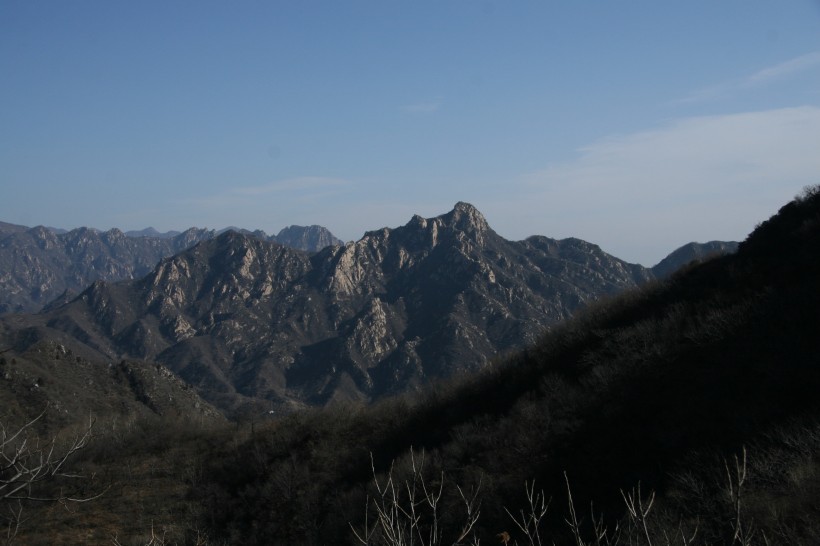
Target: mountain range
243,318
693,398
39,265
250,321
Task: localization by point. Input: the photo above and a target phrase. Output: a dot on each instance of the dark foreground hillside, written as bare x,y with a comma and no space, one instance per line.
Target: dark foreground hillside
692,403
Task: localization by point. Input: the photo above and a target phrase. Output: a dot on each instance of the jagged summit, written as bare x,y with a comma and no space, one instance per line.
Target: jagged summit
464,218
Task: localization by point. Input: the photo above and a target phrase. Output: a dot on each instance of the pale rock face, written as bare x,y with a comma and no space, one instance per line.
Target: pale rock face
169,282
248,259
348,271
468,218
372,335
353,272
180,329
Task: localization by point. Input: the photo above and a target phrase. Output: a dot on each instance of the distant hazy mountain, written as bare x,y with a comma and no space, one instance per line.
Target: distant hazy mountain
6,228
309,238
40,264
151,232
691,252
244,319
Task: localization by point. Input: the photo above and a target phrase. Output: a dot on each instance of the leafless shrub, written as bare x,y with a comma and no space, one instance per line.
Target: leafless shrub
744,532
409,512
36,471
529,520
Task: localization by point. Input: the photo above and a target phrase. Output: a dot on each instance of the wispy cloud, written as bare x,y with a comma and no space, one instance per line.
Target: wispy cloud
761,77
640,195
787,68
422,107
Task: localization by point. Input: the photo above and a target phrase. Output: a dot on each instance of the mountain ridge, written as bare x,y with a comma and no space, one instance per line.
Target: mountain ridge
41,264
245,319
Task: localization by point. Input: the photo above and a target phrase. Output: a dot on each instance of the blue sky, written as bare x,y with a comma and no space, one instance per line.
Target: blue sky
636,125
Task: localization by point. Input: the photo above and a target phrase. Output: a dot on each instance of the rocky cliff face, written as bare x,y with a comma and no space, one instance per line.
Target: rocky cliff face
241,318
39,265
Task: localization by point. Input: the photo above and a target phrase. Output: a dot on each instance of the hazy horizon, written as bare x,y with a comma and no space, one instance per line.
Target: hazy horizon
636,127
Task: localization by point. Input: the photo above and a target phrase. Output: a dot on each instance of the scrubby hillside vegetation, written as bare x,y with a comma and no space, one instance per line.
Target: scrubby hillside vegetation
685,412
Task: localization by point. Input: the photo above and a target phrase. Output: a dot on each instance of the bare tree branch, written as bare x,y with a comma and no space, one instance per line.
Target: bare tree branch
31,471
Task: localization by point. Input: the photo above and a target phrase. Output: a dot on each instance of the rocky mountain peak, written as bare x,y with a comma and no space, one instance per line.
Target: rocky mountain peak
466,218
463,220
465,207
113,235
